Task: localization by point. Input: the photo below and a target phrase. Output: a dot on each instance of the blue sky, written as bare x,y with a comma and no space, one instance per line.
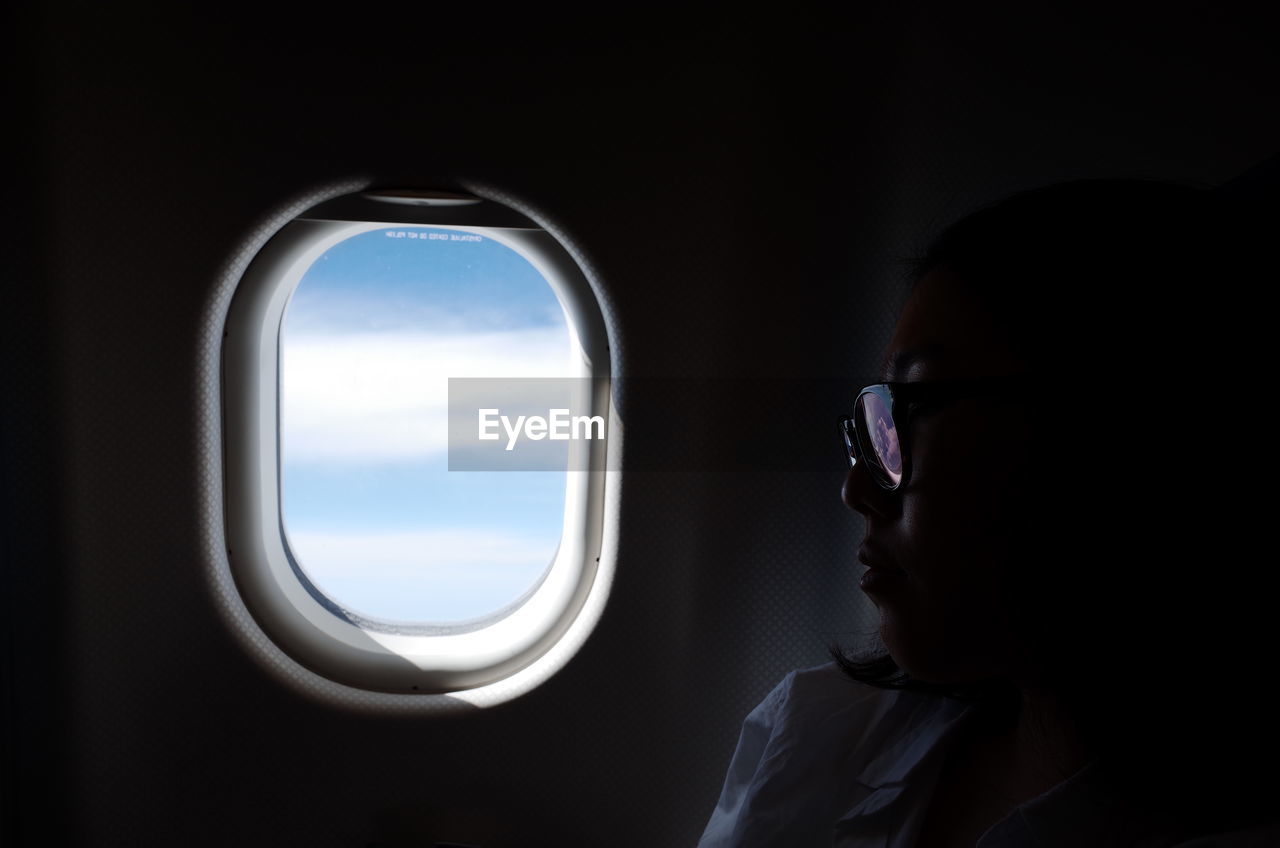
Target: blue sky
370,337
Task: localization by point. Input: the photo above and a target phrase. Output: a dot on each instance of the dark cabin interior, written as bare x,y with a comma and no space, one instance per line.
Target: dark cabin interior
745,186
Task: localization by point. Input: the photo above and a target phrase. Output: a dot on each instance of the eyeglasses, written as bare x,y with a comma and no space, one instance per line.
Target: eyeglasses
875,432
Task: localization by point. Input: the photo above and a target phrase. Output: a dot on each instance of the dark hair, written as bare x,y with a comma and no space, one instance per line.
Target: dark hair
1125,296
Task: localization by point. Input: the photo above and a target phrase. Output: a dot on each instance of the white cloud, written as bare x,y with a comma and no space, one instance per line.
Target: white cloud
372,397
429,575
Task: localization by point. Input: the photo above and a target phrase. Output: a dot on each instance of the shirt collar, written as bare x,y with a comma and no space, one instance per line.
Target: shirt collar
926,725
1071,813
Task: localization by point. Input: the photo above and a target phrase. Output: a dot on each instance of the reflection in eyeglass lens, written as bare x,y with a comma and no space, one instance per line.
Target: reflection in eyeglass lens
883,434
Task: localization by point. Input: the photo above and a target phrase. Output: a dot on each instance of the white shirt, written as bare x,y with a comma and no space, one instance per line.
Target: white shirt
827,761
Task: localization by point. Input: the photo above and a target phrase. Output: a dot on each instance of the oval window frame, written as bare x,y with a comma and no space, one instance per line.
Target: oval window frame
418,659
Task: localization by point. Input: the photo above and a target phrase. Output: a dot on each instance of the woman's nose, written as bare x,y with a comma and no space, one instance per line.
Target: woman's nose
862,494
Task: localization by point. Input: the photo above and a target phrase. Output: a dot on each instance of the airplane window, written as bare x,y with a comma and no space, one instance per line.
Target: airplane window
369,351
371,336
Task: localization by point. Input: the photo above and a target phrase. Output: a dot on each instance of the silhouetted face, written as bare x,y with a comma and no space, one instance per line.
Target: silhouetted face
940,543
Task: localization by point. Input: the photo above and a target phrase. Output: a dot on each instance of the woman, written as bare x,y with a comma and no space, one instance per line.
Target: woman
1058,545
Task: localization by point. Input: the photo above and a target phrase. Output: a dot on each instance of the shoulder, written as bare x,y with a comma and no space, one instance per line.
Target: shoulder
814,690
821,703
798,749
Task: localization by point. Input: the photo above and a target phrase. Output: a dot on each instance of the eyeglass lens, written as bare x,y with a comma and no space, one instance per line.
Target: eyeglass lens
885,456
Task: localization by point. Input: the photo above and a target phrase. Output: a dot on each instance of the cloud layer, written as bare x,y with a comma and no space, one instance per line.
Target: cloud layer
379,397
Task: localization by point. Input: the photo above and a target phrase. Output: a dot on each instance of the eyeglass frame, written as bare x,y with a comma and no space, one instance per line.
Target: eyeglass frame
894,393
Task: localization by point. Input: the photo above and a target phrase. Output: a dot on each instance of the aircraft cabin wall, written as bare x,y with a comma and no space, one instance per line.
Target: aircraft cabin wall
742,190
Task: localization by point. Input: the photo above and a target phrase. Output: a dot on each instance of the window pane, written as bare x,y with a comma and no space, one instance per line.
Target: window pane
370,337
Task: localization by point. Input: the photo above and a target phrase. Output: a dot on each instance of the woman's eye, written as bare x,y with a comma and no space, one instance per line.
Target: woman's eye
915,407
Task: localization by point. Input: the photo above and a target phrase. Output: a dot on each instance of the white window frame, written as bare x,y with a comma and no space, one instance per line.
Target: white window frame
313,629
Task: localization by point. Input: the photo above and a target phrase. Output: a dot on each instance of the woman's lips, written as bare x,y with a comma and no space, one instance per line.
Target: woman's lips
874,561
880,574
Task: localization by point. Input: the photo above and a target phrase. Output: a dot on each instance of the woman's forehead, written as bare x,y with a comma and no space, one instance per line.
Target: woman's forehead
946,331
